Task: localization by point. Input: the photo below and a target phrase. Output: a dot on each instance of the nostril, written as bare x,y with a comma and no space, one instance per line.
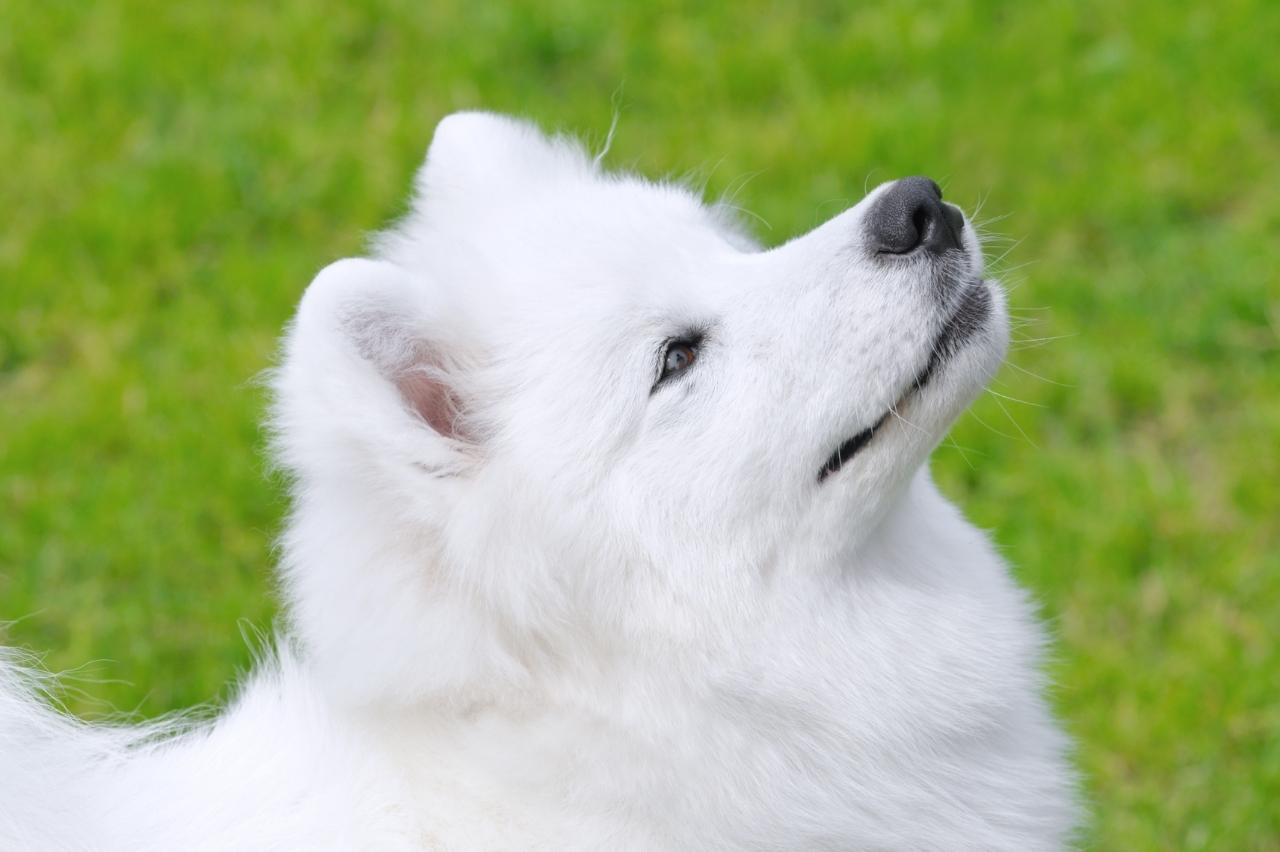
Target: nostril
954,219
910,215
921,222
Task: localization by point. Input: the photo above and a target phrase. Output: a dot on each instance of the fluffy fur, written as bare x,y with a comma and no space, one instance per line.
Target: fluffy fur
535,602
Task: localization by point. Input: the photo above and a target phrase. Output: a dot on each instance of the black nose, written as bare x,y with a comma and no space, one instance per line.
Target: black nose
910,215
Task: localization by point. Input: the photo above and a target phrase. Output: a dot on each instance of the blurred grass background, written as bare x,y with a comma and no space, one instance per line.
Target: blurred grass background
176,173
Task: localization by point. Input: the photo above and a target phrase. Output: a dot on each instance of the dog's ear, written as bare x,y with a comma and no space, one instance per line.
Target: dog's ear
473,153
371,377
376,418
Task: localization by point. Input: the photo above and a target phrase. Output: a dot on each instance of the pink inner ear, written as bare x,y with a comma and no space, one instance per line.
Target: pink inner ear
384,336
433,400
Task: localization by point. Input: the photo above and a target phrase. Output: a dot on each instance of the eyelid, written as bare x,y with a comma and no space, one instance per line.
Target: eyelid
692,338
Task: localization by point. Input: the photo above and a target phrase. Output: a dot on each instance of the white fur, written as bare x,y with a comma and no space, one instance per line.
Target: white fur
534,606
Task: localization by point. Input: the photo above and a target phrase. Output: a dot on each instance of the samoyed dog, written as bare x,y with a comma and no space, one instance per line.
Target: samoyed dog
612,530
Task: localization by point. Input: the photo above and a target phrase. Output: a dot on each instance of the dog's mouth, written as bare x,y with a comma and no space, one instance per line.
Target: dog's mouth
971,312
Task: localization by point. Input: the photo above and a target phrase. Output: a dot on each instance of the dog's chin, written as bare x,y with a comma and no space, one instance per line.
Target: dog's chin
971,357
964,356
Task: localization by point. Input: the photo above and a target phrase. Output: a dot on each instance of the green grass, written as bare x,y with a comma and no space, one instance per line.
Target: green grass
175,174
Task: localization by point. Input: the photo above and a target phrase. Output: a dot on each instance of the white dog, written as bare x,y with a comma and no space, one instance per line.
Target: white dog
611,531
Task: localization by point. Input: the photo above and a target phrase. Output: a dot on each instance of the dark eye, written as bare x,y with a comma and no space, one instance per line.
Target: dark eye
678,357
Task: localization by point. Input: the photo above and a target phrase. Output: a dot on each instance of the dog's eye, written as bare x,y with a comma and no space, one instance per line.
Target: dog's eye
679,356
676,358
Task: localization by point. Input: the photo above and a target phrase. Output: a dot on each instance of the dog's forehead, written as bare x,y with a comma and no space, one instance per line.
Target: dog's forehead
611,214
596,233
572,205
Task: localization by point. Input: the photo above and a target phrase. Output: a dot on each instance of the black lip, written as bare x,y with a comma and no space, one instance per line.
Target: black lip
968,317
850,448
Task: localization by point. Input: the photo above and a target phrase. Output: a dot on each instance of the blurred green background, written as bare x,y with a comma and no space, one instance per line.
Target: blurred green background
176,173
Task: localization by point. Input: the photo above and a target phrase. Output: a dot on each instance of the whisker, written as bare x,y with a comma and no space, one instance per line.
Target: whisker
707,176
867,180
1038,376
988,426
1006,252
737,185
1011,419
1015,399
977,210
1034,342
1020,324
985,223
1017,267
893,409
964,454
744,211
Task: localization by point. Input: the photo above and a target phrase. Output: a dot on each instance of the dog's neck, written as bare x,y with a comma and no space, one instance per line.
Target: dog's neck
382,629
900,655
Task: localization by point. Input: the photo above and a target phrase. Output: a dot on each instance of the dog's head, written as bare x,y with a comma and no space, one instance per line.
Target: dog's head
565,401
